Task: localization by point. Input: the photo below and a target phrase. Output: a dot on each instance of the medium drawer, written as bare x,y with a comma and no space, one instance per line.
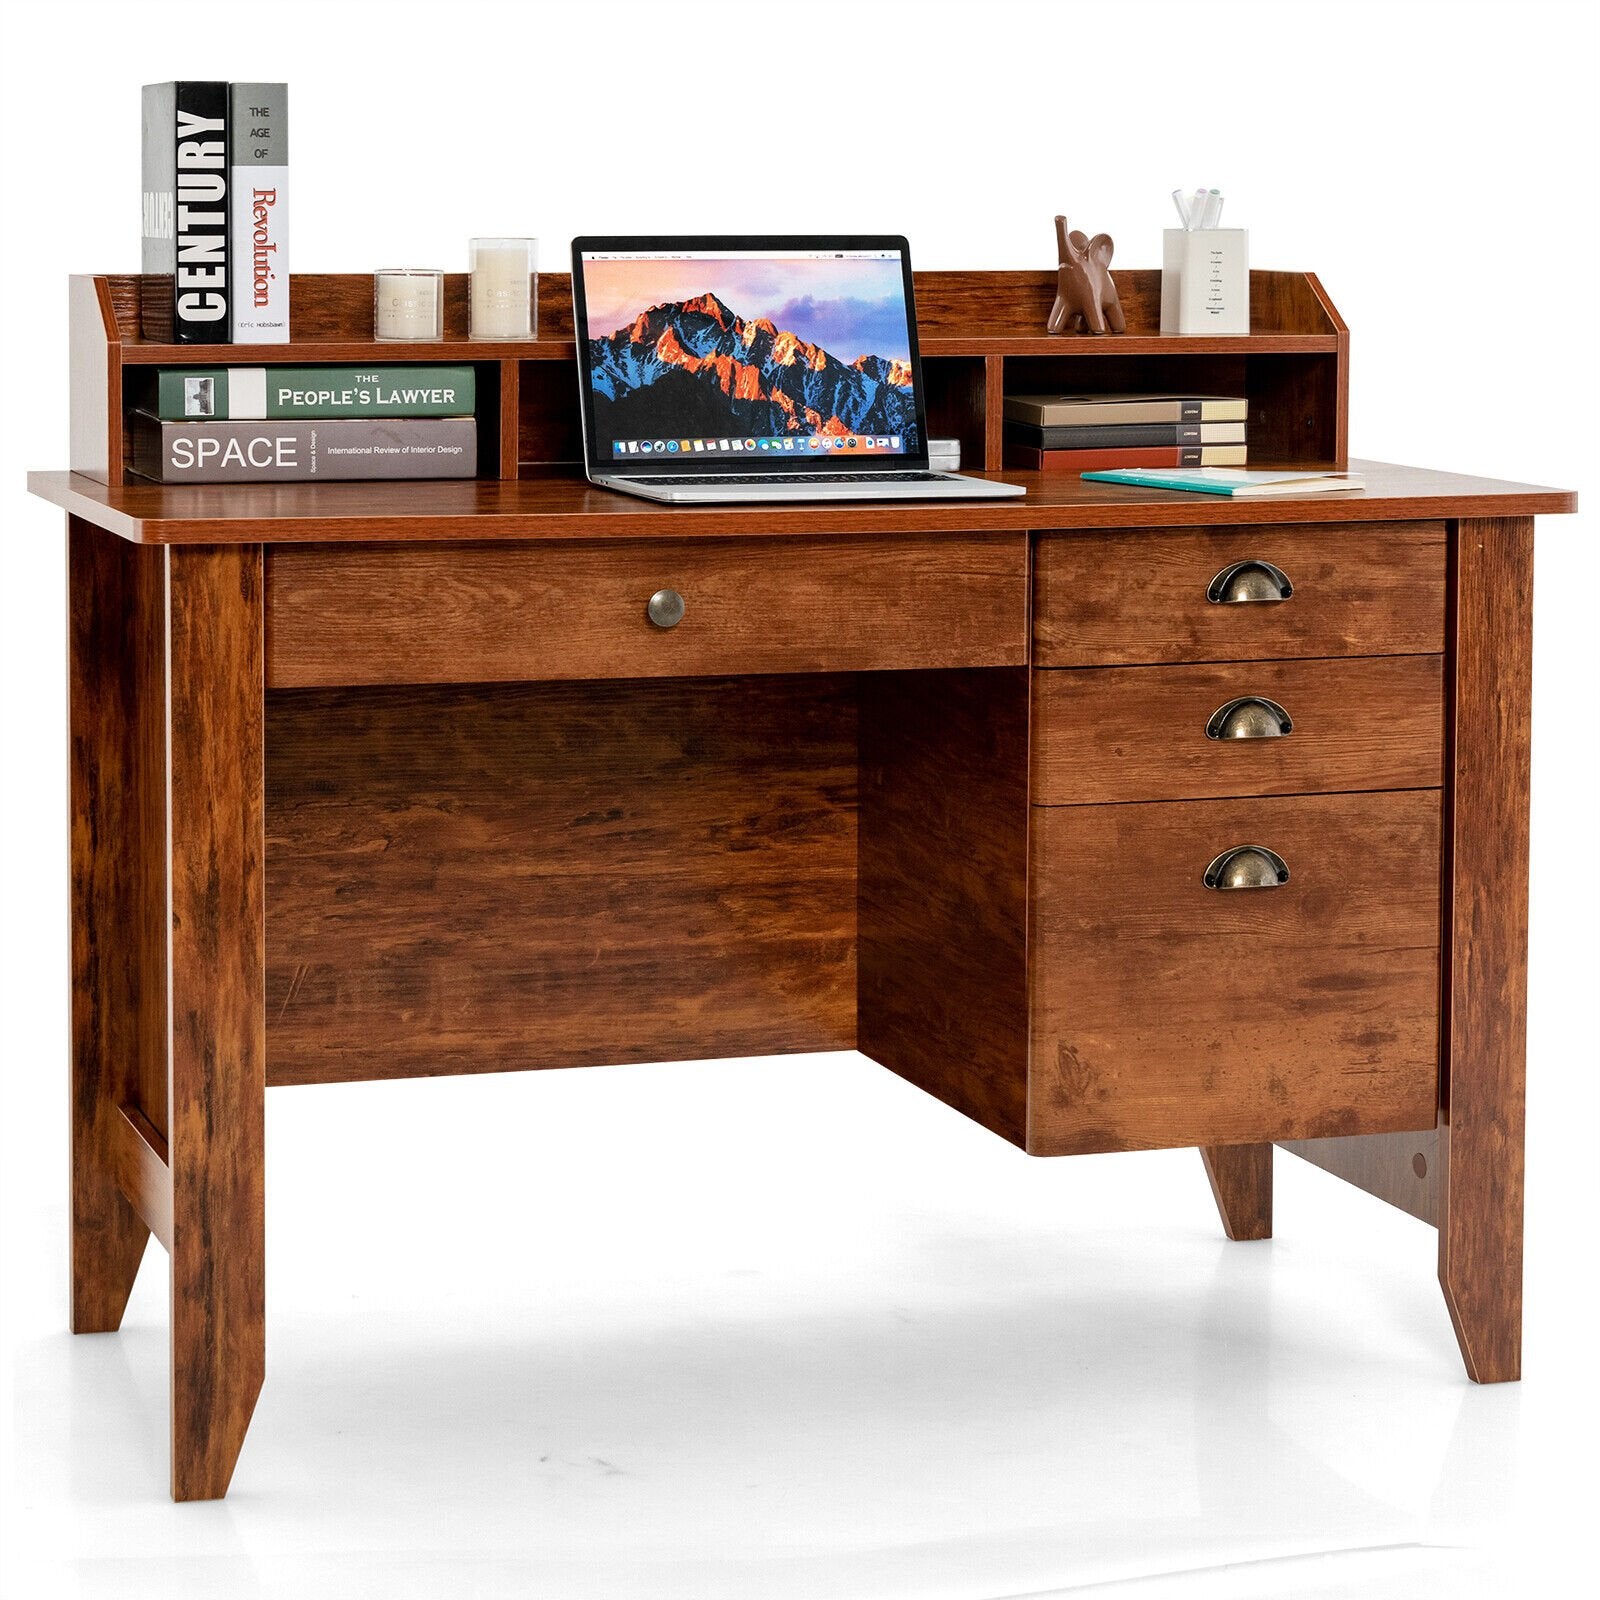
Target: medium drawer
486,613
1120,598
1105,734
1167,1012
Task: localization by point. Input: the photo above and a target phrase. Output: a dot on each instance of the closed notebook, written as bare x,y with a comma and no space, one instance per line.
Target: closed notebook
1241,485
1057,410
1025,458
1123,435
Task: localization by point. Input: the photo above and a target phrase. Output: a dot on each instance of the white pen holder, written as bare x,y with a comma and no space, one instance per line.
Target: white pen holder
1205,280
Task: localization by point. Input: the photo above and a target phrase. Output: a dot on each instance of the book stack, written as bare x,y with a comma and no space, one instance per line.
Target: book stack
275,424
215,210
1092,432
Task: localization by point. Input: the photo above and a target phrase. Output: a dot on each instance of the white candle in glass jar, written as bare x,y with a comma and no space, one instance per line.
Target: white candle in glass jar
502,288
407,303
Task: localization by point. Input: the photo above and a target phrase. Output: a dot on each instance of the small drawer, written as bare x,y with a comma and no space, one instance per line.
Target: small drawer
1167,1011
1106,734
488,613
1239,594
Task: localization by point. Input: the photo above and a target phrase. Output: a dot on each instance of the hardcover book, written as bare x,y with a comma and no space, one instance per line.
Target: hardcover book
252,393
1056,410
185,213
1124,435
258,240
1027,458
272,452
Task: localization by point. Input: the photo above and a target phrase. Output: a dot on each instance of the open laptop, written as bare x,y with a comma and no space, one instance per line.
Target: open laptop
735,369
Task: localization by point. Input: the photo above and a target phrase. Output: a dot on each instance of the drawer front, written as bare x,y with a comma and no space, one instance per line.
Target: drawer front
1111,599
1167,1012
1106,734
461,613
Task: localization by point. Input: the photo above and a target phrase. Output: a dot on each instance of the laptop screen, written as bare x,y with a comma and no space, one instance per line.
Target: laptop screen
761,355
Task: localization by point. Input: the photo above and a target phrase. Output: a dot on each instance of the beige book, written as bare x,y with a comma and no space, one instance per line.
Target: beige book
1059,410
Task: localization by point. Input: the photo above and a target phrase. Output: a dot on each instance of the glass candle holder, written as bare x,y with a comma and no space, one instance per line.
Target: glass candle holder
407,303
505,292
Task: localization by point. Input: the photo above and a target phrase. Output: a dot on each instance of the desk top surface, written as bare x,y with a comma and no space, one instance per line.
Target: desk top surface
560,504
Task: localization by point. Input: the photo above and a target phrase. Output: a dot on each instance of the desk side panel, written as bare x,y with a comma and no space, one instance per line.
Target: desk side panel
944,887
483,878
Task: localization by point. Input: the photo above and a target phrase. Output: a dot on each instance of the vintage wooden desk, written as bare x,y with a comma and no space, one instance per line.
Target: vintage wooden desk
372,780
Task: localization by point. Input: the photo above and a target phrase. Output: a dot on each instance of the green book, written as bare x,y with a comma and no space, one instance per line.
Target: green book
251,394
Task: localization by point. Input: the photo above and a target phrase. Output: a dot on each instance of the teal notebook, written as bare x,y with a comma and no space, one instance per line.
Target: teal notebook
1236,481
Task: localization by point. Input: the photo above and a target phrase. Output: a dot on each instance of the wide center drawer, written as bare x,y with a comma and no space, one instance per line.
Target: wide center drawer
1167,1011
1106,734
486,613
1239,594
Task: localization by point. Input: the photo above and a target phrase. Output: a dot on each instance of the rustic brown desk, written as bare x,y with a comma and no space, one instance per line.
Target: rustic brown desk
1113,819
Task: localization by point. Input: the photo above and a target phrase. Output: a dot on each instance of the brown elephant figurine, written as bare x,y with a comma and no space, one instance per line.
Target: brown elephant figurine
1086,298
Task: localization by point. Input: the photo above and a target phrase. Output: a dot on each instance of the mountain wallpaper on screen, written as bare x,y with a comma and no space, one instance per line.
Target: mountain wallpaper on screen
694,367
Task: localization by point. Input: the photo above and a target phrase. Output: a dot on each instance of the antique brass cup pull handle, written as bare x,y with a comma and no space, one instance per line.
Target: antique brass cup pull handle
1247,866
1251,716
1249,582
666,608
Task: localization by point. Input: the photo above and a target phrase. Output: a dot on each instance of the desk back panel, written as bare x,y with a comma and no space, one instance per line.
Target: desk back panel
481,878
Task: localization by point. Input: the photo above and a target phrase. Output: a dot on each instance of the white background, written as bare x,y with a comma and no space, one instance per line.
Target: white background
789,1328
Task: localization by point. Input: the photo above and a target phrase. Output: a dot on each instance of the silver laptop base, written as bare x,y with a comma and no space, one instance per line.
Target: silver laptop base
704,491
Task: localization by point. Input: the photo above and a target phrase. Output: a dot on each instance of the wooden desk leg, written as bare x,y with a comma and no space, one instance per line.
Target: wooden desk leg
217,1087
1241,1184
115,655
1486,946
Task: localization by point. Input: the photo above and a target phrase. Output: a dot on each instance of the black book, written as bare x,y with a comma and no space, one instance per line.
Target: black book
1123,435
185,214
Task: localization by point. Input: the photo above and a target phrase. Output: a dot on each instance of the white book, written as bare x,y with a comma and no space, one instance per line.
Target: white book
258,158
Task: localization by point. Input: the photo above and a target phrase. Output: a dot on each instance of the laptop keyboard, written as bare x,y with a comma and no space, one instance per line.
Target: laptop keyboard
789,477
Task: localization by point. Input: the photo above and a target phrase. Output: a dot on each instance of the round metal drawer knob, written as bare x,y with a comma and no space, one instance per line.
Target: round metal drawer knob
1249,582
1251,716
1247,866
666,608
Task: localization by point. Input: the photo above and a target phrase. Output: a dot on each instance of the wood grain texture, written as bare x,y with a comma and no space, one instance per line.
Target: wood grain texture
557,503
944,887
484,879
217,1020
1297,407
955,394
1486,946
1400,1168
1109,734
516,613
1126,598
1294,397
118,954
138,1161
1341,424
1240,1176
955,310
994,413
1169,1013
509,413
547,414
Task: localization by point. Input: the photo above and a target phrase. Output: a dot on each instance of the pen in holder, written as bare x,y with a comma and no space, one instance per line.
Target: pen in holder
1205,280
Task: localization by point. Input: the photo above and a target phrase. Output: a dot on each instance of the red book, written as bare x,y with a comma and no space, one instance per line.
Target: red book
1027,458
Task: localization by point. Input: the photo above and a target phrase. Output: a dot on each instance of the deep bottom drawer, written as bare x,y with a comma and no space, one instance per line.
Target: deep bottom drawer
1170,1012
